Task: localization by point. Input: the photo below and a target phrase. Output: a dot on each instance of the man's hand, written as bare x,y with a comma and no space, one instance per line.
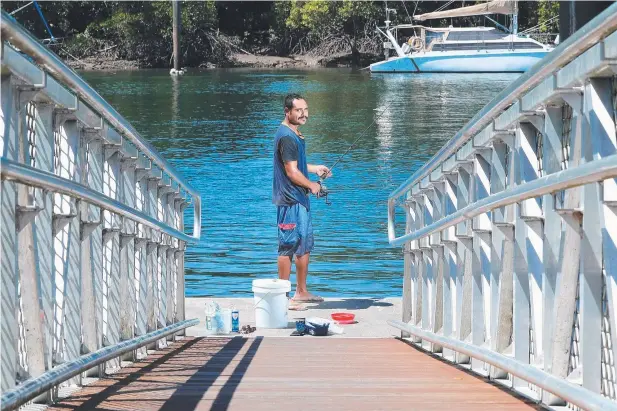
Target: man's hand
315,188
323,171
299,179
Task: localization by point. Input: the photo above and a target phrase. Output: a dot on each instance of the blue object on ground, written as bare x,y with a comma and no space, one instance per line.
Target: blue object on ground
301,325
317,329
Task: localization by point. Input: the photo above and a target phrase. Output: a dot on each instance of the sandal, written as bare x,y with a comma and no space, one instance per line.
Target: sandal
312,299
296,306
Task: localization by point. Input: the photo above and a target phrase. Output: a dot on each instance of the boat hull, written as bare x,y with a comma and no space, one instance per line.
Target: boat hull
480,62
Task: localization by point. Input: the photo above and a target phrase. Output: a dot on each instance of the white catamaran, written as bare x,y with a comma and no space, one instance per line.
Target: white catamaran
460,50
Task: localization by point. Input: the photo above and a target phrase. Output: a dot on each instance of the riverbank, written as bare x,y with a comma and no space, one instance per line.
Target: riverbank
105,63
257,61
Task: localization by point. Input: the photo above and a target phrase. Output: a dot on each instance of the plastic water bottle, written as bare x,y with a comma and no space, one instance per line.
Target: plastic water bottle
235,320
210,327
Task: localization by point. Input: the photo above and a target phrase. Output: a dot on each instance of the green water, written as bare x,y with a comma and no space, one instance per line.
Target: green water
216,128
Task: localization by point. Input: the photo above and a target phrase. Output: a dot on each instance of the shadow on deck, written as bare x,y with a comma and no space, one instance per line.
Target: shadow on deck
291,373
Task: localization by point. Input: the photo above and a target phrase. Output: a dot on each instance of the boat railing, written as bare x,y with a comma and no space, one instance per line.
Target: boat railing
544,38
510,239
92,228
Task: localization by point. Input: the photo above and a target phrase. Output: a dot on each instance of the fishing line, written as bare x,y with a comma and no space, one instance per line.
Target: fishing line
324,191
359,137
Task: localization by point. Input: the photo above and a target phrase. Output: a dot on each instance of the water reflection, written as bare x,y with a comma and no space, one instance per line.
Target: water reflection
216,128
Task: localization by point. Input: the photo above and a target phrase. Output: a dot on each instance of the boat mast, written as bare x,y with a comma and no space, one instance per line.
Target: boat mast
177,23
515,18
388,11
388,33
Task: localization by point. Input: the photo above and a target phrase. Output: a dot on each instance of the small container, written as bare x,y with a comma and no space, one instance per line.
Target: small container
235,320
317,329
301,325
209,323
224,322
343,318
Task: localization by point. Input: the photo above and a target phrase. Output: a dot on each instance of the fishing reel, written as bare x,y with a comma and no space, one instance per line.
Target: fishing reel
323,192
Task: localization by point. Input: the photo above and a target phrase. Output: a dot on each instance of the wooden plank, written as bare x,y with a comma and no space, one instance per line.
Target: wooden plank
292,373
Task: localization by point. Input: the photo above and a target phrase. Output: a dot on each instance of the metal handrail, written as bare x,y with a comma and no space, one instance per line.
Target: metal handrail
591,172
34,387
21,38
602,25
37,178
18,36
564,389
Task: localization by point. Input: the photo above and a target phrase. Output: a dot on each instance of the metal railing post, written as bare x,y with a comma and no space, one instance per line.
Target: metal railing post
428,266
598,142
502,258
553,232
29,286
8,246
152,250
163,246
172,263
569,208
465,258
180,206
44,160
141,247
127,248
68,282
111,254
448,237
436,196
407,273
521,306
481,263
92,249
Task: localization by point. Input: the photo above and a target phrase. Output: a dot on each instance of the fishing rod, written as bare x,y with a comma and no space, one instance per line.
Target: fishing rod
323,192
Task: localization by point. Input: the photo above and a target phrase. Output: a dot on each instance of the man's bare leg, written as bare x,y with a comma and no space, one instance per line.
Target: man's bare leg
284,265
302,293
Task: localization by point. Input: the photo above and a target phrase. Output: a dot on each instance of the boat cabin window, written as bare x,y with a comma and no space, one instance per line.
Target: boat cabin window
504,45
429,36
470,35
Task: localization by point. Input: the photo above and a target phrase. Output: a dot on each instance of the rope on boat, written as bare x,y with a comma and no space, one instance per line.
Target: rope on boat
531,29
38,9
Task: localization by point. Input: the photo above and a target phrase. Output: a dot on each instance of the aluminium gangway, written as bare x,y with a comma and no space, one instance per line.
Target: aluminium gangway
510,264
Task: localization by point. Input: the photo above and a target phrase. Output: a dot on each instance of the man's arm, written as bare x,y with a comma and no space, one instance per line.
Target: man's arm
296,177
321,170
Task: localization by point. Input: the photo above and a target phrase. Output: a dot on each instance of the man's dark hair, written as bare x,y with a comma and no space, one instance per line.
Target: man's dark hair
289,100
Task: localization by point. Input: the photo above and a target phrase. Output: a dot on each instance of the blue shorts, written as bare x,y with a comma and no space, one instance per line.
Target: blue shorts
295,230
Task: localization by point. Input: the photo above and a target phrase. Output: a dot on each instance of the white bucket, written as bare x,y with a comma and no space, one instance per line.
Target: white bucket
271,302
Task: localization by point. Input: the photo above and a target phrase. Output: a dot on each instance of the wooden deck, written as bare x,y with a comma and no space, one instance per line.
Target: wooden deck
294,373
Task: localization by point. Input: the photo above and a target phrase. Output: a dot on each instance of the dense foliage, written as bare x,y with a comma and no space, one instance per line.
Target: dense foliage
213,30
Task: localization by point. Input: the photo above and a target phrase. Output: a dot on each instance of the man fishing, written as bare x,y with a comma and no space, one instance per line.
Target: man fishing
290,192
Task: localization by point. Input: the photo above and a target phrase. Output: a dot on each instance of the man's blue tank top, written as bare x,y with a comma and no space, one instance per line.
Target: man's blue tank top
288,146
